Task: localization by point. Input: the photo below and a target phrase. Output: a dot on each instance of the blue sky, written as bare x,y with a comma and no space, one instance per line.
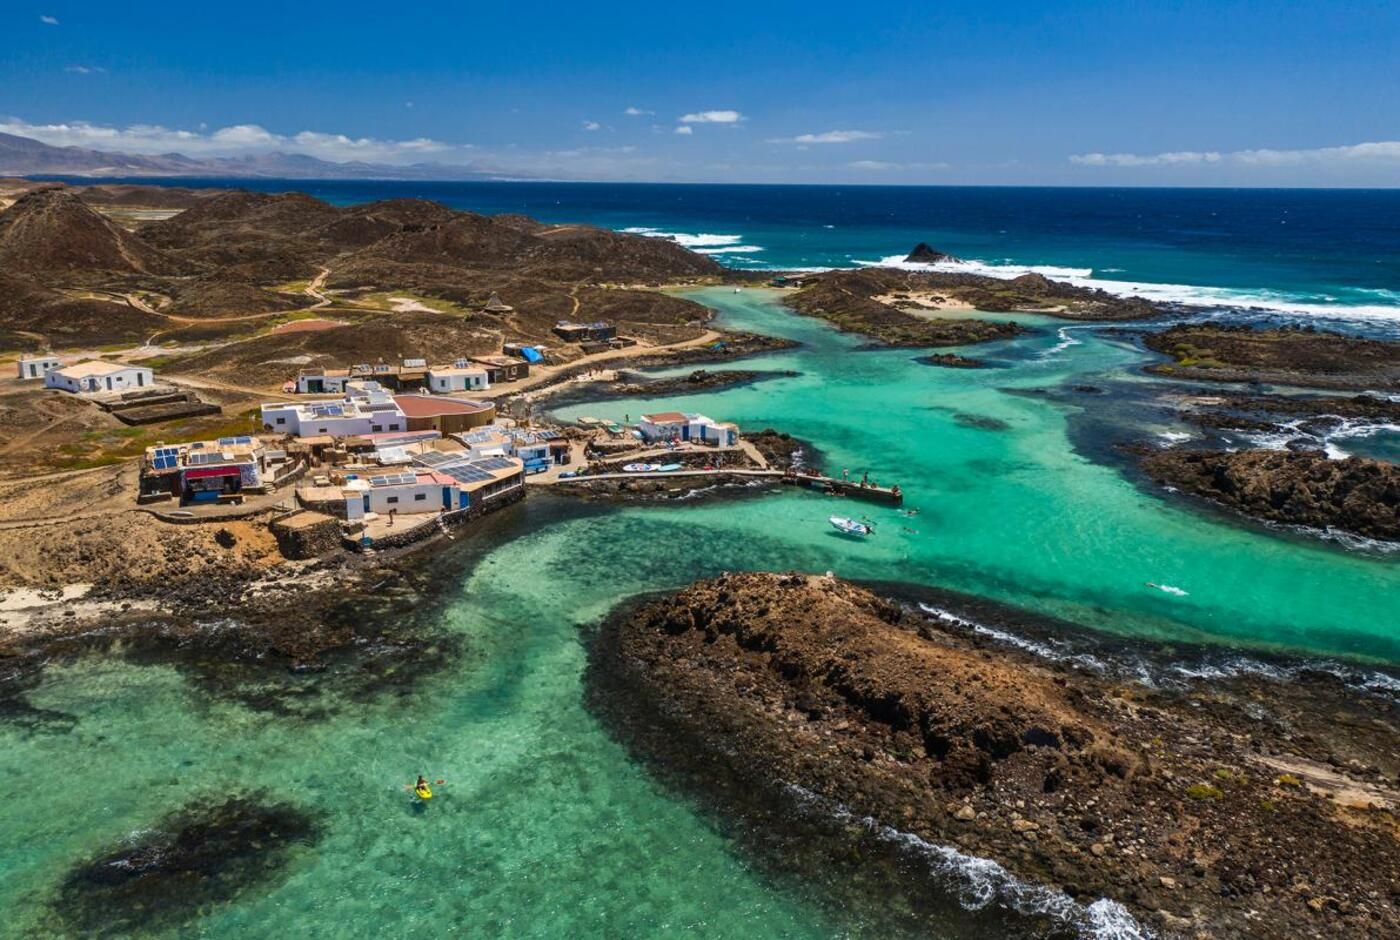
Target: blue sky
1186,93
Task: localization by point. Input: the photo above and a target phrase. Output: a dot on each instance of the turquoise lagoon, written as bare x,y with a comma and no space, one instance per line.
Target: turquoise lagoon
546,827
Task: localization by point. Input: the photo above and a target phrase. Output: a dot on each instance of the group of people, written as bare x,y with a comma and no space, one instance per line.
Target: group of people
865,481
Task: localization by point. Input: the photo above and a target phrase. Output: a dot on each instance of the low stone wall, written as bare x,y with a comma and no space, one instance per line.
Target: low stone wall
154,414
305,534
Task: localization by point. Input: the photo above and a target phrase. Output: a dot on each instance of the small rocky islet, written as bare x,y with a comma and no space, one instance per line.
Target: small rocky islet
1228,808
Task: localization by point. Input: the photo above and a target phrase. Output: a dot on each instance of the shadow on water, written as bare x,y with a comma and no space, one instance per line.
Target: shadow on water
166,876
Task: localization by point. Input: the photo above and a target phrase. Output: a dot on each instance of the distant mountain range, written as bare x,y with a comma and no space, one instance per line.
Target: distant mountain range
24,156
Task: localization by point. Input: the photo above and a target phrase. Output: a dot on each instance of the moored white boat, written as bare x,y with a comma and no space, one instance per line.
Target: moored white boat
851,527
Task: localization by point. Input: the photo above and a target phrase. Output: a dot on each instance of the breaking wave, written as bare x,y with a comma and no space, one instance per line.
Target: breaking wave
689,240
1159,671
1067,339
730,250
1307,431
978,882
1034,647
1275,301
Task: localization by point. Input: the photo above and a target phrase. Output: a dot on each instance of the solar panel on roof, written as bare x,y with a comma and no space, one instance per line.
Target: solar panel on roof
165,463
393,479
467,474
494,463
436,459
199,460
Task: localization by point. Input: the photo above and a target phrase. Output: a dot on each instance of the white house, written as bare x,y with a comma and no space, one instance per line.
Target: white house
93,377
367,409
458,377
36,367
689,426
322,381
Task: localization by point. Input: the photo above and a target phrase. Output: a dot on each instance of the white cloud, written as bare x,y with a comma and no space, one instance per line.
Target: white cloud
880,166
828,137
85,69
712,117
1385,151
235,140
592,126
637,112
1173,158
48,20
685,129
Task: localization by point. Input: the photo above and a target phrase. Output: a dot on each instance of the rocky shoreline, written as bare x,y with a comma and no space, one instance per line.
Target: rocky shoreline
1356,495
902,308
1302,356
633,385
361,625
1227,807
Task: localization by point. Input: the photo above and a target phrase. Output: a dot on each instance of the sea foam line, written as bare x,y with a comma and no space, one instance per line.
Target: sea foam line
1165,293
1043,650
979,882
687,239
1225,667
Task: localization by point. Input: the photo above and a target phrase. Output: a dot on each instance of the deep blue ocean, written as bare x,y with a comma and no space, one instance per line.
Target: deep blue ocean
1319,253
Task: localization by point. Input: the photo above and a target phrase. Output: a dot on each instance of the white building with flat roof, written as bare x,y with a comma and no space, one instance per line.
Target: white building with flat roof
366,409
36,367
95,377
461,376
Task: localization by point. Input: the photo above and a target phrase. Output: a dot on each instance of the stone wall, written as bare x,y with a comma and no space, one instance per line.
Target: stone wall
306,534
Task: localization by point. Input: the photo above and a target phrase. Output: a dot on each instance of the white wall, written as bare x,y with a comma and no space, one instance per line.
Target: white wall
286,418
441,382
119,381
35,367
329,383
408,498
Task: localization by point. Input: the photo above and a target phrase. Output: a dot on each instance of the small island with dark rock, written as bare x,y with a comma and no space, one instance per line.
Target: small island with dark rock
1229,808
1357,495
911,308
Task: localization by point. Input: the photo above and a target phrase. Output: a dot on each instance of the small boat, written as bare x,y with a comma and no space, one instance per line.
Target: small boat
851,527
641,468
424,792
668,467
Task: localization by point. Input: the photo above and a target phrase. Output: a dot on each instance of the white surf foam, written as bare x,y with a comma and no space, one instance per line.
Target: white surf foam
1151,674
688,239
979,882
1263,299
730,250
1043,650
1067,339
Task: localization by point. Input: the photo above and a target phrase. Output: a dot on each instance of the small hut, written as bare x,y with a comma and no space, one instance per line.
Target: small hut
496,305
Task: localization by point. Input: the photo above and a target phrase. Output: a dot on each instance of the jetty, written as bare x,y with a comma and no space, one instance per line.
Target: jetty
853,489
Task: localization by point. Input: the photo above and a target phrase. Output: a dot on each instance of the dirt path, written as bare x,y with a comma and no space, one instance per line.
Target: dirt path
542,374
190,381
313,290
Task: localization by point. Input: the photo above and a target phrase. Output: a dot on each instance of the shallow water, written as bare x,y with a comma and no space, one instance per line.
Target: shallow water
545,827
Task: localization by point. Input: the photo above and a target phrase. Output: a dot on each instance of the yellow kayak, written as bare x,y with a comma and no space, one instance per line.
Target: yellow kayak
423,793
